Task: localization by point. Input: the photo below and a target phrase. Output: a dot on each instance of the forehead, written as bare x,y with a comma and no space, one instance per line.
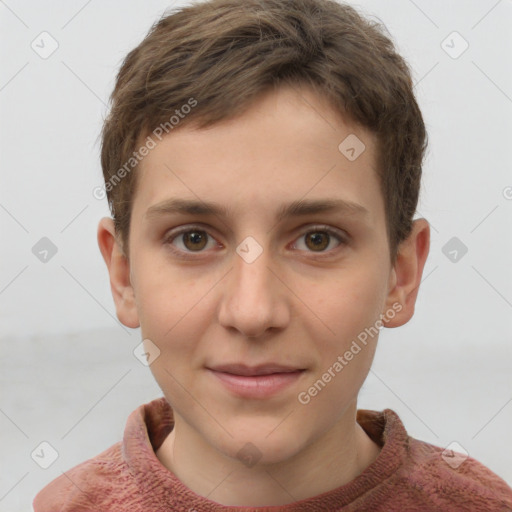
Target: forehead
289,145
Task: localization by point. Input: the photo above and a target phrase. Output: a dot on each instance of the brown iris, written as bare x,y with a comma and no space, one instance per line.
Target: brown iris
315,238
197,239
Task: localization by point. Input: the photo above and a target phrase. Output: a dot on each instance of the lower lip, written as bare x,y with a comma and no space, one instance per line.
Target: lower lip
259,386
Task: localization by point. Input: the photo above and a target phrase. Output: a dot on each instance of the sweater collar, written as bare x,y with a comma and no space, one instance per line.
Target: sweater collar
149,425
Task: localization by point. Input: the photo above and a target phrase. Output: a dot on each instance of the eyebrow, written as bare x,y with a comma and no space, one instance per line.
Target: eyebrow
294,209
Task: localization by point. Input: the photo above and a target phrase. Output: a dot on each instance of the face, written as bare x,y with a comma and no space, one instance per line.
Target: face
249,301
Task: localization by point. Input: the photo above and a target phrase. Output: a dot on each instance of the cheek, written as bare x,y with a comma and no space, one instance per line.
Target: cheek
163,294
174,311
348,307
351,311
160,308
345,351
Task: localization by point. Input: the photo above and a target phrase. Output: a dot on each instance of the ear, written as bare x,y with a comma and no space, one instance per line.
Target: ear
118,267
405,277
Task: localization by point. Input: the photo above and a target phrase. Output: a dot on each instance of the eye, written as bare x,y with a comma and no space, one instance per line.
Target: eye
189,240
194,239
318,238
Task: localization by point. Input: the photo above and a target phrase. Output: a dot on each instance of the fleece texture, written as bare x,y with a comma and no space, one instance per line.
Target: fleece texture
408,475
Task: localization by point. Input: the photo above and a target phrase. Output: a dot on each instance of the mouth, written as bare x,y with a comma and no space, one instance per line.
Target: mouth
255,371
256,382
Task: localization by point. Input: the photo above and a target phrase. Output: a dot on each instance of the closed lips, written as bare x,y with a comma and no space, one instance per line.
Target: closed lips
255,371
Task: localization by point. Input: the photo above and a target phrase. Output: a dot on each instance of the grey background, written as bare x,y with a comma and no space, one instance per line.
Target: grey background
68,374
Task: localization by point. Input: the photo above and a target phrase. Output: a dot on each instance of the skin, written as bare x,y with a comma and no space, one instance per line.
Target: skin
296,304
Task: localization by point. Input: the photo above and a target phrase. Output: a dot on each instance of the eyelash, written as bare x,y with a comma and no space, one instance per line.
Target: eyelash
191,228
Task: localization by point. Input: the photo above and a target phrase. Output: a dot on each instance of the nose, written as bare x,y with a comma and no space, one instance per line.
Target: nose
254,299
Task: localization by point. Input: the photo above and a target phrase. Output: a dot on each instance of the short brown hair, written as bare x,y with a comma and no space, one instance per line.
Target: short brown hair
219,55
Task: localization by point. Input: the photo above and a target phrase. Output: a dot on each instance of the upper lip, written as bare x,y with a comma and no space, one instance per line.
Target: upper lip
252,371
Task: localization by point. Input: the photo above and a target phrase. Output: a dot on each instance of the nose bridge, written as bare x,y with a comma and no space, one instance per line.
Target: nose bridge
251,279
252,300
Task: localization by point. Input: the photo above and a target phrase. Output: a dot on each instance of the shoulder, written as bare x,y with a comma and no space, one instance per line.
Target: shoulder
453,480
423,476
111,481
87,486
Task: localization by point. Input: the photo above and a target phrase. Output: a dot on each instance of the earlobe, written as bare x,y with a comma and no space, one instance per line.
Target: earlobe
118,267
406,275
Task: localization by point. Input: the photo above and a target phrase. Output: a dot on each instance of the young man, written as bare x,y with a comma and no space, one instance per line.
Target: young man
262,161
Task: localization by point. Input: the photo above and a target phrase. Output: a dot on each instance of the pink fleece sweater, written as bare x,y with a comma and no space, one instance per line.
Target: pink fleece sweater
408,475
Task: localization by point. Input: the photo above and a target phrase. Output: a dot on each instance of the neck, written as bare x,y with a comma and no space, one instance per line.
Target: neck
332,460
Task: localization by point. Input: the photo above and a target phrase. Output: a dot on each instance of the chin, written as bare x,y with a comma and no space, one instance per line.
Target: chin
260,448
